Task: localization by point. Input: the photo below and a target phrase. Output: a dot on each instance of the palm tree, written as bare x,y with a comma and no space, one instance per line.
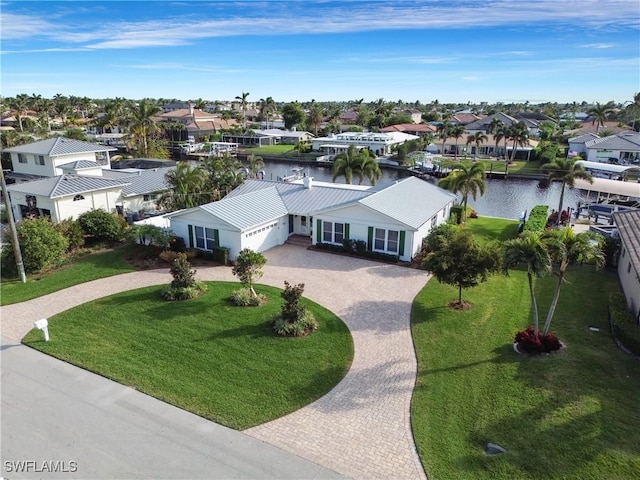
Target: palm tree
476,138
256,164
315,116
267,108
634,109
356,163
188,188
496,128
600,113
369,167
466,181
243,106
519,134
444,130
20,104
565,170
61,107
143,126
530,250
456,132
200,104
565,248
502,133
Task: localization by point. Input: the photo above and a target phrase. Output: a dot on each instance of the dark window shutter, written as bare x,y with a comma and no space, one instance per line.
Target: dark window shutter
319,231
190,236
401,246
346,232
216,233
370,242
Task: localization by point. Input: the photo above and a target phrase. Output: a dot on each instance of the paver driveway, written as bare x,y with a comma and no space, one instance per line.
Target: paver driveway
362,427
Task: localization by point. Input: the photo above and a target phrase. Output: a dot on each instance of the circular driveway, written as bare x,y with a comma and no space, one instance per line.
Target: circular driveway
362,427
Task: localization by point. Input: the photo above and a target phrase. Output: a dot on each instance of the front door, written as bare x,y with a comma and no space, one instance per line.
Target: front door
304,226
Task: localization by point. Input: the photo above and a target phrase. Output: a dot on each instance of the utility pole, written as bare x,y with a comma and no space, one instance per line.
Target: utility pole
12,227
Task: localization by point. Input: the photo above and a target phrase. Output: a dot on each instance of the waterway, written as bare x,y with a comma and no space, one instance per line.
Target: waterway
505,198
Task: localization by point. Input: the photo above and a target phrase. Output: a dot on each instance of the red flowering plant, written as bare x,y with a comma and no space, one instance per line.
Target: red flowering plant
532,342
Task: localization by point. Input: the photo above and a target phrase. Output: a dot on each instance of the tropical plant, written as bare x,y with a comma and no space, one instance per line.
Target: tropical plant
528,250
456,132
466,180
102,225
295,319
248,267
567,247
518,133
315,116
293,115
266,108
256,164
188,188
143,129
356,163
444,130
243,106
184,285
565,170
461,261
599,113
476,139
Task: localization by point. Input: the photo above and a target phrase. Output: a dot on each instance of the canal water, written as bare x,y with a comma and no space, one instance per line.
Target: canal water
505,198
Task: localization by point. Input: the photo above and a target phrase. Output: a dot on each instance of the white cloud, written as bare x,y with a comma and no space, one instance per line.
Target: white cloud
599,45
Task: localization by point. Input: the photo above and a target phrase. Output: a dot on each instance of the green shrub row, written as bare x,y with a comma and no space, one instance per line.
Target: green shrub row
385,257
218,254
537,220
623,325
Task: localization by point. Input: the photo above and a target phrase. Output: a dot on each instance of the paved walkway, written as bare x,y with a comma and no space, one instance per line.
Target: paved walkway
362,427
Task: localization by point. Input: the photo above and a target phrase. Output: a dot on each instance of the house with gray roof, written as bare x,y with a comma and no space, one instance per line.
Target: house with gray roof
259,215
623,148
628,225
45,158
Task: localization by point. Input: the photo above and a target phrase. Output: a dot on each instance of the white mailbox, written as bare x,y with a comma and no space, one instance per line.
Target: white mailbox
43,325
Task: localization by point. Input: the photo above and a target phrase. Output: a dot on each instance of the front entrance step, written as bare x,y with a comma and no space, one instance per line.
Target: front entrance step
302,240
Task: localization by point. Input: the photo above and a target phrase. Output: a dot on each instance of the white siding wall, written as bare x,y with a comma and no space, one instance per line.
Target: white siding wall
629,281
137,203
64,208
595,155
31,168
266,236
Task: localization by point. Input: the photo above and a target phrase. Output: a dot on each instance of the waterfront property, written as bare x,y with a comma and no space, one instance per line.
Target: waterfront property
391,219
380,144
628,225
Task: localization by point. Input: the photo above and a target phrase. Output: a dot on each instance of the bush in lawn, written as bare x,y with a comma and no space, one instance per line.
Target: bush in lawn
103,226
72,231
184,285
295,320
248,267
535,343
537,219
243,298
623,325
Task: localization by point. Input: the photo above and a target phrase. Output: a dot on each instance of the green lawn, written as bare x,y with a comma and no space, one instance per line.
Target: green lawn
274,150
519,167
569,415
89,267
206,355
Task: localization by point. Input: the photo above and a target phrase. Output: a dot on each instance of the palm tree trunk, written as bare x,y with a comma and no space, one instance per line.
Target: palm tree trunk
560,204
554,303
534,304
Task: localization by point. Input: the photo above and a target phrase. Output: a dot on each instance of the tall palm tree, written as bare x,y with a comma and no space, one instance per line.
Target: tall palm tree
267,108
142,124
256,164
519,134
188,188
565,248
565,170
356,163
243,106
476,139
529,250
502,133
444,130
61,107
315,116
466,181
496,128
600,113
456,132
20,104
634,109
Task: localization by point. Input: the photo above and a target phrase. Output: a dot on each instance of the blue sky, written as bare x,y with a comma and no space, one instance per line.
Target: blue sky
449,50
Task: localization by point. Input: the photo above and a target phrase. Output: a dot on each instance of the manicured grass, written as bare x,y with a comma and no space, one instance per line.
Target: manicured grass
573,414
486,229
87,268
204,355
269,150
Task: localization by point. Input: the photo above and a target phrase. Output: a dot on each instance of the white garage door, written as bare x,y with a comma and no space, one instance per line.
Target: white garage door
263,238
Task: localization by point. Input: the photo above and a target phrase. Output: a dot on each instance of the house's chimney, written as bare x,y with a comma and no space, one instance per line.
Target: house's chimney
191,109
307,182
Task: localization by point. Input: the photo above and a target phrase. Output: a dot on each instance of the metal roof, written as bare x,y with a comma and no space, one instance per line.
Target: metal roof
79,165
57,146
65,185
306,201
628,224
144,181
410,201
584,138
627,142
248,210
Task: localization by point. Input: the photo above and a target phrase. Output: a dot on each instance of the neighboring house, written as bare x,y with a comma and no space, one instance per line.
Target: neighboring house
64,196
197,123
259,214
577,144
621,148
590,127
411,128
141,190
465,118
381,144
45,158
628,224
412,113
285,136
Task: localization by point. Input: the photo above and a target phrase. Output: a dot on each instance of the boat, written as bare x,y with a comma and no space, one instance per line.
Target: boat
295,175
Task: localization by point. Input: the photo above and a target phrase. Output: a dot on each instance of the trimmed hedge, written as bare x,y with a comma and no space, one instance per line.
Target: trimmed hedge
537,219
385,257
218,254
623,326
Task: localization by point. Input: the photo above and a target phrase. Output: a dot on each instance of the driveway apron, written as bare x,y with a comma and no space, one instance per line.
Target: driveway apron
361,428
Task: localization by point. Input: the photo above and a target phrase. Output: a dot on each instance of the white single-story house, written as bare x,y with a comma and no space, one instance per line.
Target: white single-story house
259,215
628,224
577,144
380,143
45,158
621,148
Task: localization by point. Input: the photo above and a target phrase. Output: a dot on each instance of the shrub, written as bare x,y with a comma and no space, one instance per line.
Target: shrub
150,235
537,220
184,285
456,214
623,326
535,343
72,231
103,226
218,254
248,267
41,244
295,320
168,256
243,298
177,244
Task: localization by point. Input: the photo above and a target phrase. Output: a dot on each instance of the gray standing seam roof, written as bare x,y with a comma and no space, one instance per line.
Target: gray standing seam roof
628,224
79,165
145,181
57,146
624,142
65,185
246,211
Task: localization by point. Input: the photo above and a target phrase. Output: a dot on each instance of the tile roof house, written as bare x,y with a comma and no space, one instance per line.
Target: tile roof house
45,158
197,122
262,214
628,224
411,128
